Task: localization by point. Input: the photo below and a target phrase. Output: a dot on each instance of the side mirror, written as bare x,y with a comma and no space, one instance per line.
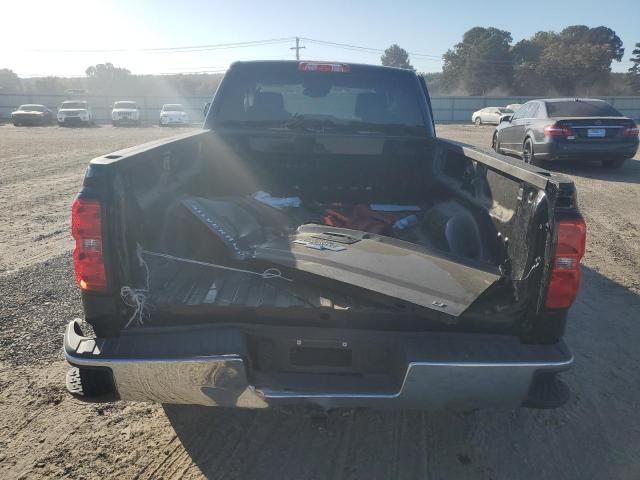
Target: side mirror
506,118
206,108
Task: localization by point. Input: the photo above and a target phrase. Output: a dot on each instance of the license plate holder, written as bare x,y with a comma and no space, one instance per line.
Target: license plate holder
596,132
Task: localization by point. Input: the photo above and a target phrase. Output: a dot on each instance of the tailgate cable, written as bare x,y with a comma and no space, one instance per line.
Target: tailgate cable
535,265
269,273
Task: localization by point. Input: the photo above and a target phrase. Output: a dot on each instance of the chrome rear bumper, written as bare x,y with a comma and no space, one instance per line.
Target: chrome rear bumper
145,373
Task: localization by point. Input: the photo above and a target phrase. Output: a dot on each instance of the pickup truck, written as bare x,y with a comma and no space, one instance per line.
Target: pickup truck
316,243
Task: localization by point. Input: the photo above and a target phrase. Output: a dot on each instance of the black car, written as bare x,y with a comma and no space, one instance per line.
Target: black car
32,114
567,129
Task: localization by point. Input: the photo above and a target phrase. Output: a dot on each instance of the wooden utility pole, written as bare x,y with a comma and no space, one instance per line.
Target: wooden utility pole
297,48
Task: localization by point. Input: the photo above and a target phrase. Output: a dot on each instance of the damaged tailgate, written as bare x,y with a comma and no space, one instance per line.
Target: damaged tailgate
382,265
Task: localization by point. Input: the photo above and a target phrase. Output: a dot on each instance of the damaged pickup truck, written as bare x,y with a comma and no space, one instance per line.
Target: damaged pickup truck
316,243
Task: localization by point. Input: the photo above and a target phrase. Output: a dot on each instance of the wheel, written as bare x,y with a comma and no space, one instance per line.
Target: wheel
528,154
91,384
16,124
613,162
495,143
477,121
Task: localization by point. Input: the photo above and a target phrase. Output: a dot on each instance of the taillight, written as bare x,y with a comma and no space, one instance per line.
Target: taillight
323,67
86,229
565,271
630,131
555,130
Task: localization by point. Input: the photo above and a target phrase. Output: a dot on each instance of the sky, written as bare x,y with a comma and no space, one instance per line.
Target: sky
65,37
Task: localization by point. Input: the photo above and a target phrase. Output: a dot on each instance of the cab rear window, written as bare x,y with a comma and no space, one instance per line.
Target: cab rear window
264,95
581,108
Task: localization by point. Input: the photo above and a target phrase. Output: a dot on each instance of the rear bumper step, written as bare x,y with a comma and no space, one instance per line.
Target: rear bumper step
213,367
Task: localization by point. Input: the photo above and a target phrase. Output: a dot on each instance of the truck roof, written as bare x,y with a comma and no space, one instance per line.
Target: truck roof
294,63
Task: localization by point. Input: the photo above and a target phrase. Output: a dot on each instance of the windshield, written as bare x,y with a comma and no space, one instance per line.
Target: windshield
32,108
131,105
73,105
173,108
263,96
581,108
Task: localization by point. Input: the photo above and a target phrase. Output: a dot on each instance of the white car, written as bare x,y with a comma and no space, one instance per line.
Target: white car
173,114
125,112
490,115
75,112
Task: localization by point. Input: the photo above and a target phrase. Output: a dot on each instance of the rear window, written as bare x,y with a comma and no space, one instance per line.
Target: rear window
32,108
581,108
271,96
73,105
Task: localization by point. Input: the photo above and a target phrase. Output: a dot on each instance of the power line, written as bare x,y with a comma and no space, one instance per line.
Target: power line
369,49
183,49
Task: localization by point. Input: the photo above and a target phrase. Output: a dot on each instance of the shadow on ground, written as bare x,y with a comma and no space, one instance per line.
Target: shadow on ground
628,173
596,435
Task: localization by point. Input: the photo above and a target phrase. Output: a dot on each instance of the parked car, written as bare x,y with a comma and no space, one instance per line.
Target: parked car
513,107
173,114
568,129
489,115
125,113
375,265
32,114
75,112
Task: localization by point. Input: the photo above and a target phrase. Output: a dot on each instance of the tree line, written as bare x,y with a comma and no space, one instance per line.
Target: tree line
574,61
107,79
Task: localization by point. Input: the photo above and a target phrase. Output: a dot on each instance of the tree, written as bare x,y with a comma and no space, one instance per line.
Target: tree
569,62
104,78
396,56
480,63
434,82
9,81
634,71
47,86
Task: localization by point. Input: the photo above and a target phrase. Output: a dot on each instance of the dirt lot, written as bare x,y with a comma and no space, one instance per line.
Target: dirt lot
45,433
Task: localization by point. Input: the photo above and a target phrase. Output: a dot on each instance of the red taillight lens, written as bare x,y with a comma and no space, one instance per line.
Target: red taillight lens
323,67
555,130
565,272
631,131
86,229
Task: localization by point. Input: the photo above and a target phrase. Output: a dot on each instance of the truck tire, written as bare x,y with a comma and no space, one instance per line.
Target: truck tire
91,384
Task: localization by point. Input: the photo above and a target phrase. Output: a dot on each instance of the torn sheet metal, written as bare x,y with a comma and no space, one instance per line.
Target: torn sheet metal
239,223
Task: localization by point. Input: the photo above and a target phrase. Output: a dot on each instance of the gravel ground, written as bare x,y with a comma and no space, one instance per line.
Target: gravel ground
46,434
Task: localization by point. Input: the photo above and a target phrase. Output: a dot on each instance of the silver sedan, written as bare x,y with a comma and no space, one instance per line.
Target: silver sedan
490,115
